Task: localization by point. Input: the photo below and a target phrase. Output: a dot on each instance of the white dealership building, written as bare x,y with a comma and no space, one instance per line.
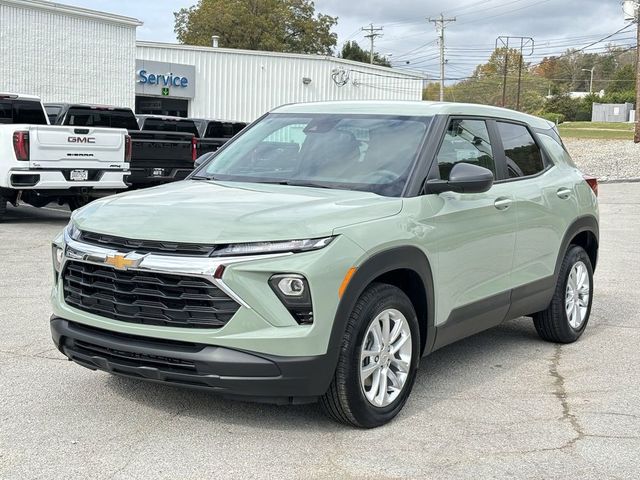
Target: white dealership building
69,54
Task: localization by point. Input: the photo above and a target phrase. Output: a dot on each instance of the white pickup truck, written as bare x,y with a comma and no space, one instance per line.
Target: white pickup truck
42,163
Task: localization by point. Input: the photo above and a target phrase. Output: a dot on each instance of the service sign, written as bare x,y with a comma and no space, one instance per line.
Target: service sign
165,79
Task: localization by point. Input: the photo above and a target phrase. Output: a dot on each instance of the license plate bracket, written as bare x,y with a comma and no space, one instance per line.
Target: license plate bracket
79,175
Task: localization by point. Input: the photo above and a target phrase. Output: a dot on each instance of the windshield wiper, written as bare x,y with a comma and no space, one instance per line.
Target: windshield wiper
293,183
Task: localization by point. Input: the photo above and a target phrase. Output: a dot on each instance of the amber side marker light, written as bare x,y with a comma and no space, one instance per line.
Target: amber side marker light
345,281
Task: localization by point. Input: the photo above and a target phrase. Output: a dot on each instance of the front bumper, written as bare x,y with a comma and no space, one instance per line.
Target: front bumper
230,372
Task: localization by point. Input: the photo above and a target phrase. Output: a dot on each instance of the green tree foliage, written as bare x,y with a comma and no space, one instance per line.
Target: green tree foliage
431,92
352,51
624,80
547,84
272,25
495,65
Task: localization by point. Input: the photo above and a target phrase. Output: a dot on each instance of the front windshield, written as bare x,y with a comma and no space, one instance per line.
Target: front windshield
358,152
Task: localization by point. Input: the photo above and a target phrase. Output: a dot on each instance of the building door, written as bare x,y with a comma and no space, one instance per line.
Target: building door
162,106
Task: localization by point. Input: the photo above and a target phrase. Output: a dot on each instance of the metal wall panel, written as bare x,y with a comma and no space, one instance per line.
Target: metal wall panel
242,85
66,58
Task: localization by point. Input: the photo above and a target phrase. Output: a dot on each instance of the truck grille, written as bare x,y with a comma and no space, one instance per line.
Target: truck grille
146,297
126,245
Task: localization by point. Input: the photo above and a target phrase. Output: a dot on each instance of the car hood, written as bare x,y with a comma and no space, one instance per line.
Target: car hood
199,211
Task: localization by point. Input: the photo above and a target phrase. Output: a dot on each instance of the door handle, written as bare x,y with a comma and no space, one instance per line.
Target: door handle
563,193
502,203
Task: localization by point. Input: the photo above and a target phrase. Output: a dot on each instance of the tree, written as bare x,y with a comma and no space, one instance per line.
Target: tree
352,51
623,80
431,92
495,65
272,25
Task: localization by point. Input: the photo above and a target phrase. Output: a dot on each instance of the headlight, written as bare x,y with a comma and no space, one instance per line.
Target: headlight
72,231
57,253
258,248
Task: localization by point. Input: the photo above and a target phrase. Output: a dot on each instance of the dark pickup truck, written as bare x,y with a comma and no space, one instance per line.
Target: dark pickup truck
215,133
158,155
212,134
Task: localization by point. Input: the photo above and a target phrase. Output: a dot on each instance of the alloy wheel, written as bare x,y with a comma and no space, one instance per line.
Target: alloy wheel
577,295
385,357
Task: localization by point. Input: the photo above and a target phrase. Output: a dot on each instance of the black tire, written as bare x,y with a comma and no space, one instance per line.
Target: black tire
553,324
3,207
77,202
345,400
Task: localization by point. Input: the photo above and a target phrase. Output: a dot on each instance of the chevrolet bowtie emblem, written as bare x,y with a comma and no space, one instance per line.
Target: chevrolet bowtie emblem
122,262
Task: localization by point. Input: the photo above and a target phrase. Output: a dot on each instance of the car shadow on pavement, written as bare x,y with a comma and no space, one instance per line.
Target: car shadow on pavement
44,216
448,369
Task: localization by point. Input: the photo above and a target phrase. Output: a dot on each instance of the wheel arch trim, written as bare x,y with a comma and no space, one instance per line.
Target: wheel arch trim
398,258
586,223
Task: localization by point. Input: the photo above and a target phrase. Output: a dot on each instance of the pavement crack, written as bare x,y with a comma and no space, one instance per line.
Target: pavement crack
560,392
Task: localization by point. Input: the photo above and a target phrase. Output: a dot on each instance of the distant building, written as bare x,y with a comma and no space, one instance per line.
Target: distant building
63,53
599,94
612,112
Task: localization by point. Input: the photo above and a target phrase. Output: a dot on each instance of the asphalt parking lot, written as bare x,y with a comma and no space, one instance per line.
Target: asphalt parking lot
502,404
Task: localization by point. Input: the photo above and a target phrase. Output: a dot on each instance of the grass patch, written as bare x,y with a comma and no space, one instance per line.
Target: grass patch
597,130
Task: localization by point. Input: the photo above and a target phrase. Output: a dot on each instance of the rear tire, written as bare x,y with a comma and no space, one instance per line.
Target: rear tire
3,207
567,316
376,369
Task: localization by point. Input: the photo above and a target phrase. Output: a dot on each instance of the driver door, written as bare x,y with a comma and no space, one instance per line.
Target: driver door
475,237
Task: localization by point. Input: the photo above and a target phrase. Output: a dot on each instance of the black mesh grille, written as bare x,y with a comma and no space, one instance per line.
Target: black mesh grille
126,245
135,359
146,297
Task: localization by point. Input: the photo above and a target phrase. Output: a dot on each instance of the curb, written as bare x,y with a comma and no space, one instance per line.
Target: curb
621,180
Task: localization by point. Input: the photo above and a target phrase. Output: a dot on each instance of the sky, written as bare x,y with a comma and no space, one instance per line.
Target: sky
410,41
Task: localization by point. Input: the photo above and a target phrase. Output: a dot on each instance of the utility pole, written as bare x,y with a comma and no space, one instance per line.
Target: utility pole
373,34
591,81
441,24
525,42
631,9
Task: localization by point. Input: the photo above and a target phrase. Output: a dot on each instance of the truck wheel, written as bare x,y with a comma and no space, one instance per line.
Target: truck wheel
3,207
568,314
378,359
78,202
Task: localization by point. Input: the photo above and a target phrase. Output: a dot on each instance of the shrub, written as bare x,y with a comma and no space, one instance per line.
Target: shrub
556,118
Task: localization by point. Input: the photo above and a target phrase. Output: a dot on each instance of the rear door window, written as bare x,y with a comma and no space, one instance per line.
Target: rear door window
523,155
466,141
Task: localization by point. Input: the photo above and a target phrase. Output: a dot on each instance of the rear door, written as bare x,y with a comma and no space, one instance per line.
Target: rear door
474,236
76,147
544,199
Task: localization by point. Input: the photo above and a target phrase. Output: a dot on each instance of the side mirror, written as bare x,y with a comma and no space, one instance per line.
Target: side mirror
464,178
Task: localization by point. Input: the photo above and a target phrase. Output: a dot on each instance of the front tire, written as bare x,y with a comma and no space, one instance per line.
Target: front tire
378,359
567,316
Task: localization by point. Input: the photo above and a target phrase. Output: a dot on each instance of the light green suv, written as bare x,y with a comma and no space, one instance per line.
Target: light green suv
327,249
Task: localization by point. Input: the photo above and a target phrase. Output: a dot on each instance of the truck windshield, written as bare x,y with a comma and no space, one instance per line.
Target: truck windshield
95,117
359,152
